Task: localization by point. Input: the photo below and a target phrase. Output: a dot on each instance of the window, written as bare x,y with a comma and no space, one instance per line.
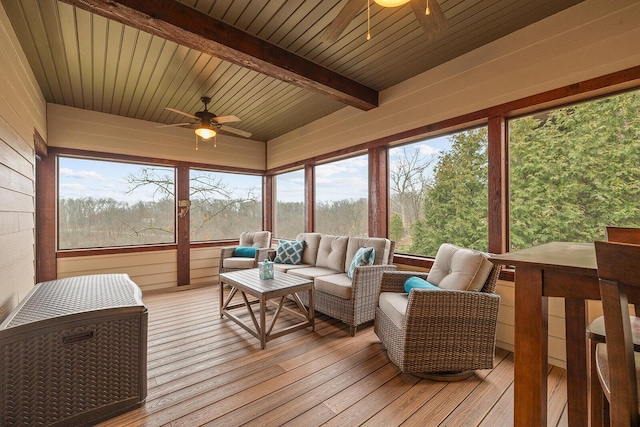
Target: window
341,197
289,208
438,192
106,204
574,171
223,205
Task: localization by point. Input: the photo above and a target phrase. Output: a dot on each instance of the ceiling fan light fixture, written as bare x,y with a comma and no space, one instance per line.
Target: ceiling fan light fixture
205,131
391,3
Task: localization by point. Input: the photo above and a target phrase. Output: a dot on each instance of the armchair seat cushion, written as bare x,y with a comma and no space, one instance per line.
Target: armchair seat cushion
238,262
311,272
394,305
334,284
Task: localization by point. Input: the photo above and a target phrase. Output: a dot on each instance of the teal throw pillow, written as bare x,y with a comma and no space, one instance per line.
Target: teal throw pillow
289,252
363,256
245,252
418,283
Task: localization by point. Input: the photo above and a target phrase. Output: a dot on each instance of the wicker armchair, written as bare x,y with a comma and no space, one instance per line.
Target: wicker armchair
261,240
445,334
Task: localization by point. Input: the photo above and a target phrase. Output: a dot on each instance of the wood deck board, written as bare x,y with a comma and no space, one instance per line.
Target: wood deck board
204,370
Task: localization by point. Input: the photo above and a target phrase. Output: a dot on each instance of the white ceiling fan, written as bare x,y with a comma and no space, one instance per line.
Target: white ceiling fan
207,122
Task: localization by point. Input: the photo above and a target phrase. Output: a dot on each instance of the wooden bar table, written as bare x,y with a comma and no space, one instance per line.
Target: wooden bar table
559,269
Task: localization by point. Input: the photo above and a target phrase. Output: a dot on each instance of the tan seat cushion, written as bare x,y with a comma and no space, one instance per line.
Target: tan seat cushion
288,267
334,284
311,272
394,305
238,262
459,268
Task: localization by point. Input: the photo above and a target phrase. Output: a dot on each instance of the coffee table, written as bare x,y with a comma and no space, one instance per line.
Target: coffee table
248,282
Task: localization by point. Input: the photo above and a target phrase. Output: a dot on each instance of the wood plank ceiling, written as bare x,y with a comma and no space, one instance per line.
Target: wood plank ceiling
84,60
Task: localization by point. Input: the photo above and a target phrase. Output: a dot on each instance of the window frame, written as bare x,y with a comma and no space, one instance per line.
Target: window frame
120,248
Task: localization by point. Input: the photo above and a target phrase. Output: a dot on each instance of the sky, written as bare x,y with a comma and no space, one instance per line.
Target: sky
344,179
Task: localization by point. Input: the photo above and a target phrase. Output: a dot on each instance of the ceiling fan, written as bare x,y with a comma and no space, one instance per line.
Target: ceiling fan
207,122
428,13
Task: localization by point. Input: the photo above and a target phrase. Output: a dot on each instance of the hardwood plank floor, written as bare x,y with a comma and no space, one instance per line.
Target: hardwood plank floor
203,370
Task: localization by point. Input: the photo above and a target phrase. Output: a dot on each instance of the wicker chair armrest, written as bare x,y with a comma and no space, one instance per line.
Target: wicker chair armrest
393,281
445,311
366,280
226,252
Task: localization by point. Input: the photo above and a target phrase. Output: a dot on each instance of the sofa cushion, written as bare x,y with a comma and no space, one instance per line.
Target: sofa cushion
459,268
312,241
394,305
334,284
258,239
311,272
363,256
381,245
245,251
332,252
418,283
238,262
288,267
289,252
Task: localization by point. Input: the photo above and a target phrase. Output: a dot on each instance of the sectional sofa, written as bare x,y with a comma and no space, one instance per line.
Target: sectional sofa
326,260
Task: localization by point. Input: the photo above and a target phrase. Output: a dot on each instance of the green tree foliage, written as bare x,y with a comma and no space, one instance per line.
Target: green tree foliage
574,171
455,208
396,229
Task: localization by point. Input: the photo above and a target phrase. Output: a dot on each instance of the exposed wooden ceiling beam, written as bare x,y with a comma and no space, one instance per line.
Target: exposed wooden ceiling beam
188,27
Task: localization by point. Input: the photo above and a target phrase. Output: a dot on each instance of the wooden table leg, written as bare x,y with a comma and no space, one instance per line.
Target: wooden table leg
221,297
312,309
577,371
263,322
531,349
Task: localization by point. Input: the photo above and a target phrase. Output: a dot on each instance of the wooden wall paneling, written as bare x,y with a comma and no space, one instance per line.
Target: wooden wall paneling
309,198
46,227
151,270
378,192
205,264
498,185
182,232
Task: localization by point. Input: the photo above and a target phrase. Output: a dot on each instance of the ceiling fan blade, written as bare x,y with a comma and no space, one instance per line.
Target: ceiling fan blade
181,112
175,125
434,24
226,119
236,131
345,16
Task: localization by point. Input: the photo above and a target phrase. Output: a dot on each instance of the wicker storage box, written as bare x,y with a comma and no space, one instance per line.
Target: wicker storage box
74,352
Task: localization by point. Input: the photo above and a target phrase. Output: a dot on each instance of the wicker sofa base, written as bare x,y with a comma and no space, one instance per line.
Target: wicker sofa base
358,309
